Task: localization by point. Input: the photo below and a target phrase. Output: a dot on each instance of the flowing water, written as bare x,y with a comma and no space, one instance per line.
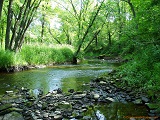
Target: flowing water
71,77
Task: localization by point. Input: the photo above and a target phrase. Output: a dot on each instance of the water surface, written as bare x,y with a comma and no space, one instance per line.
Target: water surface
51,78
72,77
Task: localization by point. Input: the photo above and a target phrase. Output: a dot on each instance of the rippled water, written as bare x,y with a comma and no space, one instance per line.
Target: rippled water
71,77
61,76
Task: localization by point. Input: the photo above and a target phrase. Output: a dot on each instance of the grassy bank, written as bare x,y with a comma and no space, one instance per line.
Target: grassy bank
36,54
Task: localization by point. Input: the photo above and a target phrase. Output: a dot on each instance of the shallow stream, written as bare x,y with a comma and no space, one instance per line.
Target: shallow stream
72,77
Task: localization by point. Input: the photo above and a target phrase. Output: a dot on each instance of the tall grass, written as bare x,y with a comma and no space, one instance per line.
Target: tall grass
36,54
6,58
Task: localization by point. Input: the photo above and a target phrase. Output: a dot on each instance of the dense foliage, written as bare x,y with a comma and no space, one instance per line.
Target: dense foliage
36,55
126,28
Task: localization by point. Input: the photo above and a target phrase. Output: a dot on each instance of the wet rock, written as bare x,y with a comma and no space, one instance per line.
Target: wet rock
96,96
9,92
58,117
110,99
64,105
13,116
102,83
137,101
45,115
87,118
71,90
59,91
5,106
145,99
77,115
44,106
79,96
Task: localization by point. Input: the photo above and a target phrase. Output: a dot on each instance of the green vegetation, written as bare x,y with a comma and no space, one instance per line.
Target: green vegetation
129,29
36,54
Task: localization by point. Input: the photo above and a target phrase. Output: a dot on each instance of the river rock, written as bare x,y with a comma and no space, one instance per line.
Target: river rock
13,116
5,106
145,99
137,101
79,96
9,92
58,117
102,82
59,91
110,99
45,115
96,96
71,90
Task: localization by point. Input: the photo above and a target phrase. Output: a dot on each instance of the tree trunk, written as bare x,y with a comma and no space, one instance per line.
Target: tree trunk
74,60
1,5
87,30
109,38
9,20
131,6
42,31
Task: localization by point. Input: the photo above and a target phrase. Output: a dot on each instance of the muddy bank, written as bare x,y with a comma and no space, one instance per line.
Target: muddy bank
71,105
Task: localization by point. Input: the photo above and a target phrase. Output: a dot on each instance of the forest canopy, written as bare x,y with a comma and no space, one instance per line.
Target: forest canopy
129,29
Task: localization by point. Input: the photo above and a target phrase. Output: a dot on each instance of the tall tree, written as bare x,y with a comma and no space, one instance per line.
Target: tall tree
93,18
19,17
1,5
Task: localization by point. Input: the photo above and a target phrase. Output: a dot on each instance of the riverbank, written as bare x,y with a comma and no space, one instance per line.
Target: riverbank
34,56
74,104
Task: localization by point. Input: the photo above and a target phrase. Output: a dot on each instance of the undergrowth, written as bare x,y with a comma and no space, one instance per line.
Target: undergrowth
36,54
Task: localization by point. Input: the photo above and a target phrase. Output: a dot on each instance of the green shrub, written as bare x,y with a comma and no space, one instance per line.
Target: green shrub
6,58
144,68
43,54
67,53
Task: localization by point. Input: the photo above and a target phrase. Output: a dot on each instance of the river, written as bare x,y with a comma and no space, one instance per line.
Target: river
70,77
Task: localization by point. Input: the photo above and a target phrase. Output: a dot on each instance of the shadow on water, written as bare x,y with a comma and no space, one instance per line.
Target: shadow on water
120,111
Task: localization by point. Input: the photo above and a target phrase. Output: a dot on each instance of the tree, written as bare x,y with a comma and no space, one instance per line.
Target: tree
19,17
1,5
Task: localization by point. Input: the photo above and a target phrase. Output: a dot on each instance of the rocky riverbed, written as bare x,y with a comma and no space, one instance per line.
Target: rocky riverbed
56,105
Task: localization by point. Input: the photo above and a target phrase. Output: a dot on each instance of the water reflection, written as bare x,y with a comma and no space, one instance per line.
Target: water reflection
48,79
120,111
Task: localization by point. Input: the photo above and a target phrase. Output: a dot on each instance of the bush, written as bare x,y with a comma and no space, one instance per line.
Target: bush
6,58
36,54
67,53
144,69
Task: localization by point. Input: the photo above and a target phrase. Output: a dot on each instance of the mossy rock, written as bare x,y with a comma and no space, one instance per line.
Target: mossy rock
6,111
13,116
65,106
5,106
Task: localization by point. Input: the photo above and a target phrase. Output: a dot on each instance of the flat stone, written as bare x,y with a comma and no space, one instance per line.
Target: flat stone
137,101
102,82
110,99
57,112
79,96
45,115
96,96
145,99
52,114
58,117
9,92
